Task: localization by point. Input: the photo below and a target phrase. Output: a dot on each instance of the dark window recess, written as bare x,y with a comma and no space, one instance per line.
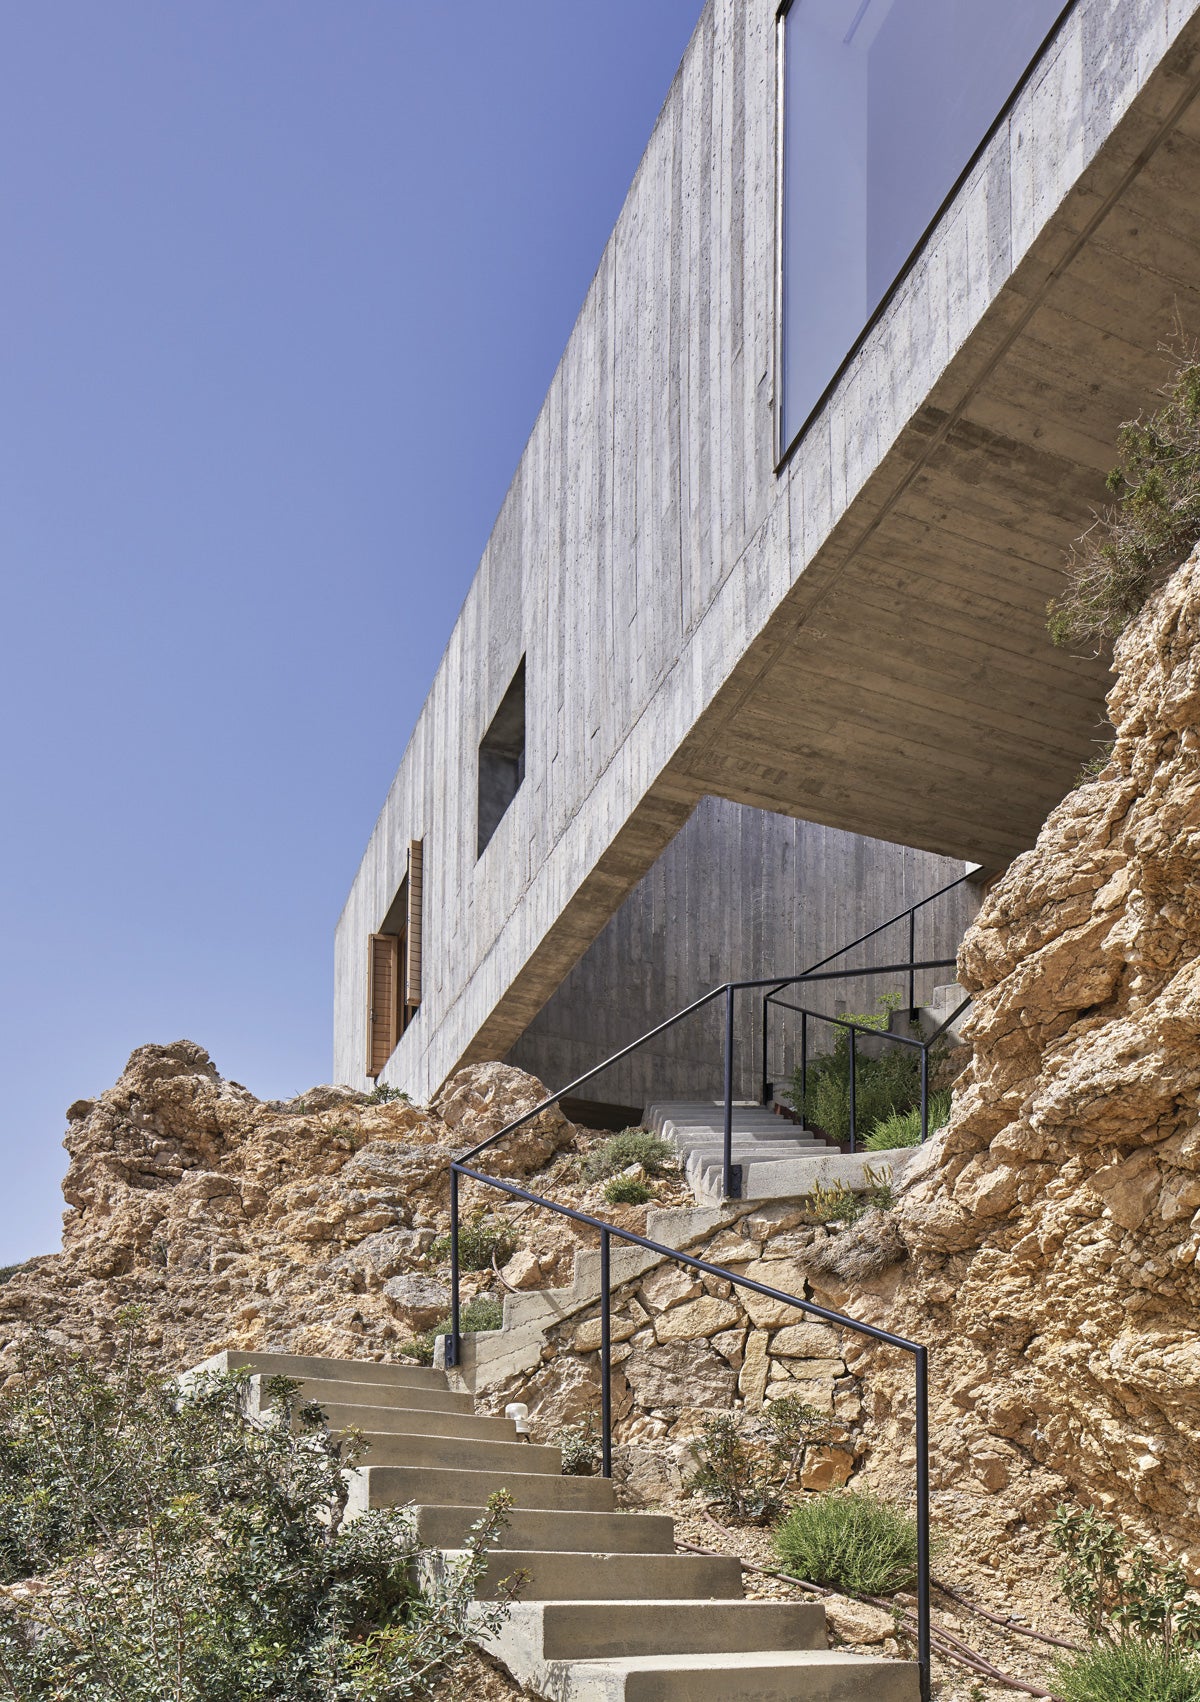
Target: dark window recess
502,758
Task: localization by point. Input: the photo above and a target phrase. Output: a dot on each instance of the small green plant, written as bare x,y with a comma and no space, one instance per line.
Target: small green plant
656,1156
627,1191
384,1094
903,1128
835,1203
1121,1593
481,1241
580,1444
7,1272
732,1472
1153,523
849,1540
1127,1672
485,1312
795,1427
1094,767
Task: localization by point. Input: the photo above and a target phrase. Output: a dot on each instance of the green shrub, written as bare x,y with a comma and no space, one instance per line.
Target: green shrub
882,1086
627,1191
8,1272
656,1156
732,1473
839,1204
382,1094
1149,529
795,1427
480,1240
1121,1593
187,1550
1127,1672
580,1444
903,1128
849,1540
485,1312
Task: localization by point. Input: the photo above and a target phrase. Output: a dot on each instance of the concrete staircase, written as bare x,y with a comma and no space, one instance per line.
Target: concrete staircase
779,1160
610,1612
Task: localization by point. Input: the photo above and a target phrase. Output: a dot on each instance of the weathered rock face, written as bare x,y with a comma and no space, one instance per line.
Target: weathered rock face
245,1223
1053,1230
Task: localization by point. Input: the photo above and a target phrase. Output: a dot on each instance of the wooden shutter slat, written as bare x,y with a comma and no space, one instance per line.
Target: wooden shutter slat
412,955
383,1009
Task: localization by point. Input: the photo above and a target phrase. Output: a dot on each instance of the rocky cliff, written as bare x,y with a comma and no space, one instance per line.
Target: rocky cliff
235,1221
1049,1237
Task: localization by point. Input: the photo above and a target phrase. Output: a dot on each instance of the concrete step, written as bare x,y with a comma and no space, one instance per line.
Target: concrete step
581,1630
463,1453
396,1486
400,1421
347,1391
558,1575
813,1675
582,1533
305,1367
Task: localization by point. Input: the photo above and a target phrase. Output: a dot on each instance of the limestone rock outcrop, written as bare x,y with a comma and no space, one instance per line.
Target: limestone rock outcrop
1052,1231
233,1221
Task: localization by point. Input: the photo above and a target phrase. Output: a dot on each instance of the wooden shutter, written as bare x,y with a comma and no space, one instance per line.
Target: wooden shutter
383,1000
412,954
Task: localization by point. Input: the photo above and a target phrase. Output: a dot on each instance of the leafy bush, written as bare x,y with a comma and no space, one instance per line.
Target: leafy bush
903,1128
882,1086
1152,525
732,1472
485,1312
382,1094
795,1427
185,1550
632,1146
480,1241
627,1191
1127,1672
580,1444
849,1540
1121,1593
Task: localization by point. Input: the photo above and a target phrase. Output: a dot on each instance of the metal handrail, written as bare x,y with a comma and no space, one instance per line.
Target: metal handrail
920,1354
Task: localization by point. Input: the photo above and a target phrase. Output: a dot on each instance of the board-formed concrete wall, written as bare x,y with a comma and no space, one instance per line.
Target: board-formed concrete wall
856,638
737,894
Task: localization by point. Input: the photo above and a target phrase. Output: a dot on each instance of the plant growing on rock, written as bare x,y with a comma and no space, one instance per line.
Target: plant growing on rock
732,1472
580,1444
1127,1672
849,1540
627,1191
796,1426
383,1094
177,1548
483,1313
632,1146
482,1242
839,1204
1136,542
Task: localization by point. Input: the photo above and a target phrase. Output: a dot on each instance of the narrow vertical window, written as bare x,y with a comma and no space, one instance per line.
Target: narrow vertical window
383,1005
502,759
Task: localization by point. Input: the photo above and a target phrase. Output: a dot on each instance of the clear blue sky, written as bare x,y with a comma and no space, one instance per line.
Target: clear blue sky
282,286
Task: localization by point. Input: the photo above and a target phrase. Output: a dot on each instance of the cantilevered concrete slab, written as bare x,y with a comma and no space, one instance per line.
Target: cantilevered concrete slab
856,638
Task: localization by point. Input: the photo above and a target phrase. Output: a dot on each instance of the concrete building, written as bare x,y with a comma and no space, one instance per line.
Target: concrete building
774,564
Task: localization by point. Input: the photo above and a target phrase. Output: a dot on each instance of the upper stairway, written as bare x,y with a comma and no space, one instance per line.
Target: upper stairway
610,1611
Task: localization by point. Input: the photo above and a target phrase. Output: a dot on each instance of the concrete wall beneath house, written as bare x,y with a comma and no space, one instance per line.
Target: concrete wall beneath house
738,893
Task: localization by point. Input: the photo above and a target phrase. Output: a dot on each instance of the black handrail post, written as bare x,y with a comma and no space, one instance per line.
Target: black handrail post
803,1067
455,1343
924,1658
853,1090
605,1359
728,1188
766,1085
924,1093
912,958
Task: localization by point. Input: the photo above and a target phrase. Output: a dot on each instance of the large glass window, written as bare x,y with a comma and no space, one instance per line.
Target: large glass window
885,102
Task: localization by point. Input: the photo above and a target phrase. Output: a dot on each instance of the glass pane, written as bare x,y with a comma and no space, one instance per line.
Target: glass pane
885,101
